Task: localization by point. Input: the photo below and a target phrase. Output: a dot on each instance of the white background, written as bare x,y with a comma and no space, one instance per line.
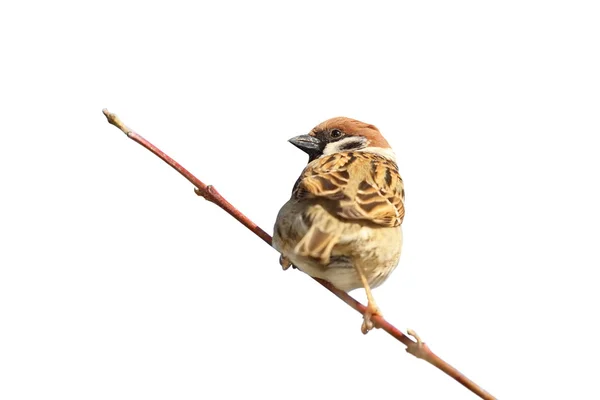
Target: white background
117,282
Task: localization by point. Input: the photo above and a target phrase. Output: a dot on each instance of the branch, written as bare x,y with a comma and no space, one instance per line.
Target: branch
415,347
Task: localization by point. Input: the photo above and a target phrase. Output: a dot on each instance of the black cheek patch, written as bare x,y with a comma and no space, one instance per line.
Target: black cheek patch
351,145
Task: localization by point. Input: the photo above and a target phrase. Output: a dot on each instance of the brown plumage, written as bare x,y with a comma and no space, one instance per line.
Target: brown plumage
342,223
374,194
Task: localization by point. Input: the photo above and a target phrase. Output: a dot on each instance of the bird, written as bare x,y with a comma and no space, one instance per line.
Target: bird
342,223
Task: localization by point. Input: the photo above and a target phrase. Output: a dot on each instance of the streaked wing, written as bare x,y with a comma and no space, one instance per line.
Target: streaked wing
362,186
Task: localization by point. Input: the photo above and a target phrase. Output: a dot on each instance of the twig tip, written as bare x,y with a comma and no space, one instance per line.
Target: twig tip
415,335
114,120
418,349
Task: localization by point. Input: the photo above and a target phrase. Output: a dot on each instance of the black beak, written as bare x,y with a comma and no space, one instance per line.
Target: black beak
308,144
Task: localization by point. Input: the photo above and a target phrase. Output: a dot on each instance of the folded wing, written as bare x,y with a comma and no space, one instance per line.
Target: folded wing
357,186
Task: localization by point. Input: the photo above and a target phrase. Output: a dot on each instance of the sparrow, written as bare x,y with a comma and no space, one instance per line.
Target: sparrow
343,221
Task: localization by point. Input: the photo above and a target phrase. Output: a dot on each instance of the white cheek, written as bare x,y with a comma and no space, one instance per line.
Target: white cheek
336,147
330,148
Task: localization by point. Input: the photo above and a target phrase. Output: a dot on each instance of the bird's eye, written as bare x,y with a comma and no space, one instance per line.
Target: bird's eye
336,133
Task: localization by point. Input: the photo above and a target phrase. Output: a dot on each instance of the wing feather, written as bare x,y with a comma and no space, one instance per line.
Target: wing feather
361,186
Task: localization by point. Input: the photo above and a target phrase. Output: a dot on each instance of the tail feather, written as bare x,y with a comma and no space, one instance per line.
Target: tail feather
318,243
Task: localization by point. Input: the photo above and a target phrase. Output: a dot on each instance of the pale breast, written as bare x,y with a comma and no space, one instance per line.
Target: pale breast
375,249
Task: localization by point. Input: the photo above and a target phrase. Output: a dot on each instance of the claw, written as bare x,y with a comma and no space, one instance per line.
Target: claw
284,262
367,324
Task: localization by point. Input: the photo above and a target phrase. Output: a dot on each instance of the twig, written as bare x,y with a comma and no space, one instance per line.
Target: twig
417,348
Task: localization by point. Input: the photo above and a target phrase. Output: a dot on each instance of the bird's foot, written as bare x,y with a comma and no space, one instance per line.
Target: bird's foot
367,324
418,349
284,262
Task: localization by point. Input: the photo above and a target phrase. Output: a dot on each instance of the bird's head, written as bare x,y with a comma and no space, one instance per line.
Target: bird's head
342,134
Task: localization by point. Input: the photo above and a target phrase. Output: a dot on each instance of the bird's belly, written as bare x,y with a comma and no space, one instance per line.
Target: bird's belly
375,249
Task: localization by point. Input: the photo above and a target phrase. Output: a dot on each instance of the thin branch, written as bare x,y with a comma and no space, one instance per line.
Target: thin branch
415,347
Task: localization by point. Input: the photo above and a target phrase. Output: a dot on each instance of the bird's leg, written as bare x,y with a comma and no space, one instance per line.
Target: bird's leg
372,308
284,262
